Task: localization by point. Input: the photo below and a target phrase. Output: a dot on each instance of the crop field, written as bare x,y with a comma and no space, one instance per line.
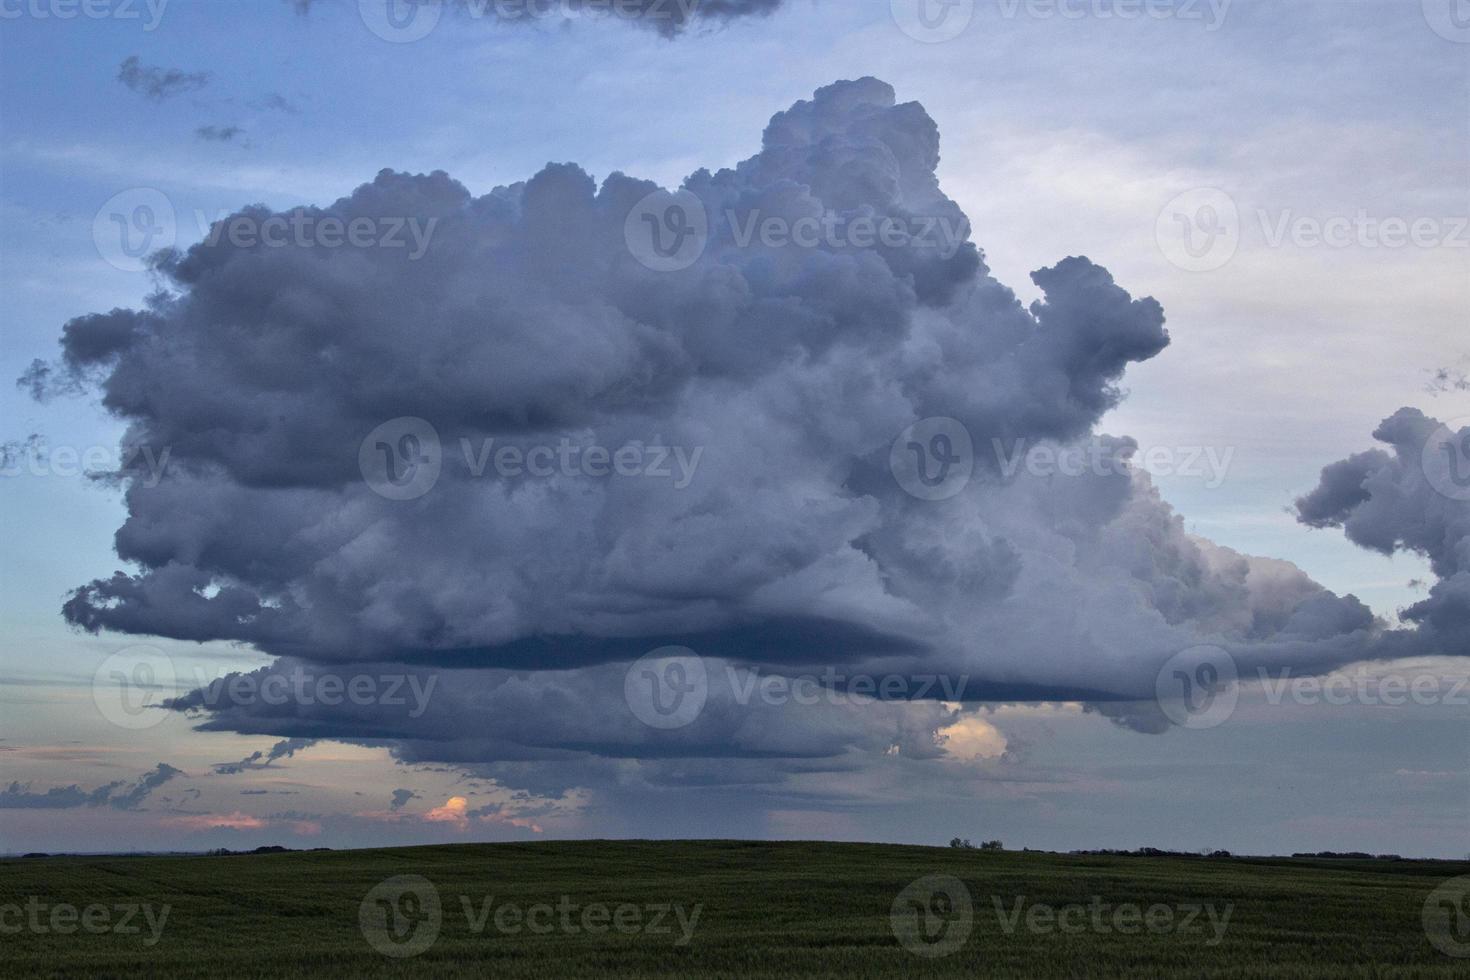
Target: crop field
729,909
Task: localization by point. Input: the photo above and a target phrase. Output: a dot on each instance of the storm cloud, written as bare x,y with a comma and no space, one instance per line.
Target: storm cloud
543,317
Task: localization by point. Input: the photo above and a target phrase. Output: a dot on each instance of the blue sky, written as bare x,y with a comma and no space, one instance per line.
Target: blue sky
1060,136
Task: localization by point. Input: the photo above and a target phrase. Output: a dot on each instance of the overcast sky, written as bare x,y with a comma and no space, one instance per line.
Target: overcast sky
1236,233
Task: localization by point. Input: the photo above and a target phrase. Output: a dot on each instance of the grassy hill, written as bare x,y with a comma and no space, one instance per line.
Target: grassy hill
716,909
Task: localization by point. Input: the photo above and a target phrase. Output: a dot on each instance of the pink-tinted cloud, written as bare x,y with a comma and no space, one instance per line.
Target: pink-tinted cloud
455,810
211,821
522,822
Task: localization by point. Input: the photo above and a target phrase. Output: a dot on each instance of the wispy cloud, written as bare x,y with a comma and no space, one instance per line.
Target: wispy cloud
284,749
158,83
275,102
218,134
19,796
235,820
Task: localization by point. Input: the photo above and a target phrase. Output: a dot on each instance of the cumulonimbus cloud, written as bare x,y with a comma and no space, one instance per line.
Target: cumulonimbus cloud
1413,497
534,318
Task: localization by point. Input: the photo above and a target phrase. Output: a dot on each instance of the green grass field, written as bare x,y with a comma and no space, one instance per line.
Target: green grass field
592,909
